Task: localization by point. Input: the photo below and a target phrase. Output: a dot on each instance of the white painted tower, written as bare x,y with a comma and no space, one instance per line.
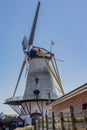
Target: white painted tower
40,79
39,89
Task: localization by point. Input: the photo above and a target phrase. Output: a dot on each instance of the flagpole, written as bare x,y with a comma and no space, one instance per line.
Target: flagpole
52,43
51,47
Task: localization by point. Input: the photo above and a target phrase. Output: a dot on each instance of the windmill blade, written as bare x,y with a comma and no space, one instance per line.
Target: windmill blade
31,38
19,78
30,42
25,44
59,60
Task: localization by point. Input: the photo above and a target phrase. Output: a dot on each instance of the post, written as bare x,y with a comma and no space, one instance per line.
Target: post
72,118
61,121
53,121
42,123
46,122
36,125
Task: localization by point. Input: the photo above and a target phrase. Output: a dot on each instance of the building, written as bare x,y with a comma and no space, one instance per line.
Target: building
76,98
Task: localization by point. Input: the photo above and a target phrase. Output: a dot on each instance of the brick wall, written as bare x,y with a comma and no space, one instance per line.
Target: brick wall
76,101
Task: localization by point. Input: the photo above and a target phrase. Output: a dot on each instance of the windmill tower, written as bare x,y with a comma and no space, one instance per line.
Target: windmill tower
39,88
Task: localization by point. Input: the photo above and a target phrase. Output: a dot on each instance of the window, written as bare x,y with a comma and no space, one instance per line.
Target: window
84,106
36,94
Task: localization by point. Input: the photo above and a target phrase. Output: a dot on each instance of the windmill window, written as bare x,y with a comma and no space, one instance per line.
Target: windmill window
36,94
36,80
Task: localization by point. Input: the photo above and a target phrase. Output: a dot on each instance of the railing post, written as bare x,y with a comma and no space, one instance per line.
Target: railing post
72,118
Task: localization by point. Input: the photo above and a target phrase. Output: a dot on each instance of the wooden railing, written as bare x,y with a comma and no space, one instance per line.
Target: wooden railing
66,120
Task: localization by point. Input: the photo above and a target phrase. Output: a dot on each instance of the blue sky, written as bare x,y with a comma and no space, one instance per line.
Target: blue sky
63,21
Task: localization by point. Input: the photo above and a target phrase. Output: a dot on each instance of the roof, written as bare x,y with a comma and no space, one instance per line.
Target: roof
69,95
40,52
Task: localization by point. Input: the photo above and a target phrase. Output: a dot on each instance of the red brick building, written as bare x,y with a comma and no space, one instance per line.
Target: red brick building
76,98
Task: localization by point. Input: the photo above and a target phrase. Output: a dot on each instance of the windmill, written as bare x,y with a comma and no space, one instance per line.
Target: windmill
40,88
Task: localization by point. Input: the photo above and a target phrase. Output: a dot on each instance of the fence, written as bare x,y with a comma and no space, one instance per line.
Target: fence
66,120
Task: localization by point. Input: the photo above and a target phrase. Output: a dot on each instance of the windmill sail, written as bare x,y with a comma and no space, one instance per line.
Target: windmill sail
31,38
26,44
19,78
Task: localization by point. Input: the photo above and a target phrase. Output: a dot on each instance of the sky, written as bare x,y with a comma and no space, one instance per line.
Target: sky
63,21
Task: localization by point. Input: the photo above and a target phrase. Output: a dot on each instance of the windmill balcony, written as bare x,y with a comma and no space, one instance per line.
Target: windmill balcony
21,98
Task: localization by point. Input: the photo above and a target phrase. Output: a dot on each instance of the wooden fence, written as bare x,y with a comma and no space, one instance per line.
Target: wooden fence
66,120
